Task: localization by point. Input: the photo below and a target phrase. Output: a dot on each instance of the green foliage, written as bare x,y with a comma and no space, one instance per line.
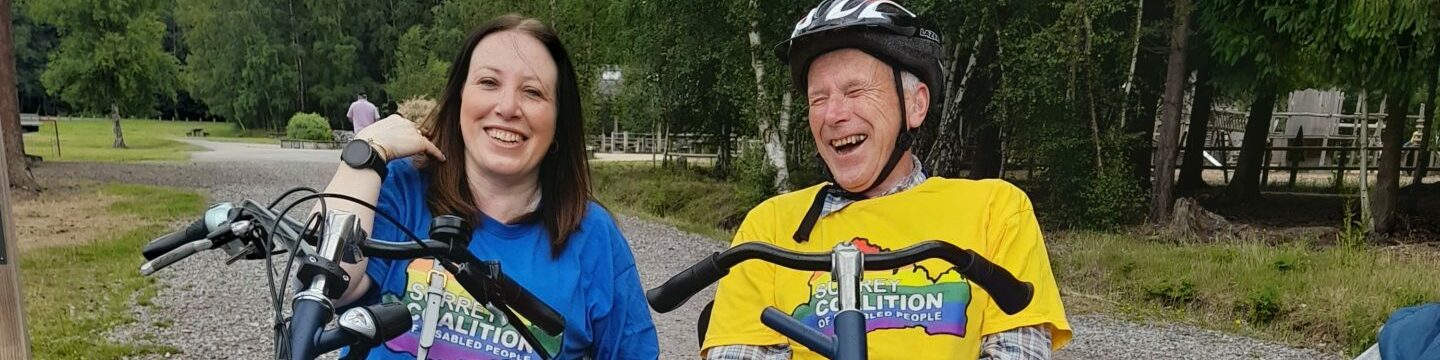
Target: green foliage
109,54
33,41
253,61
1353,230
1324,294
1260,306
754,175
308,126
685,197
419,71
241,61
1171,292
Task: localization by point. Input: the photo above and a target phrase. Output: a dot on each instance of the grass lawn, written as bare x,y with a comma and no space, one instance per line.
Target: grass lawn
147,140
76,294
1333,298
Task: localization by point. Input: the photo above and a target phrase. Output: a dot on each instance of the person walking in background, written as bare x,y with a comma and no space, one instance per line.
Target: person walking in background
362,113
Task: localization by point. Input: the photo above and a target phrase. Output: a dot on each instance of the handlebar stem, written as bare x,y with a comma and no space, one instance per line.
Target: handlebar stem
847,266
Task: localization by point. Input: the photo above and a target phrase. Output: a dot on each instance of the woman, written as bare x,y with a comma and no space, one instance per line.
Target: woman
504,148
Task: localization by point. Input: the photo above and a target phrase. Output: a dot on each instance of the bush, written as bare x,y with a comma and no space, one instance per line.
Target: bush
1261,306
1170,292
754,175
416,109
308,126
1077,194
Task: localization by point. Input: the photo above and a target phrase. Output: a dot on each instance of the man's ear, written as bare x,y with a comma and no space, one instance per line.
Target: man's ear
918,105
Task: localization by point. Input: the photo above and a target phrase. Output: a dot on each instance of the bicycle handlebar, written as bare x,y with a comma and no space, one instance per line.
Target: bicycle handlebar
517,297
1009,293
230,226
216,229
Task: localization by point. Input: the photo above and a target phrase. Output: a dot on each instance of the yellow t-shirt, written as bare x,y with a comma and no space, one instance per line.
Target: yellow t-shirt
925,311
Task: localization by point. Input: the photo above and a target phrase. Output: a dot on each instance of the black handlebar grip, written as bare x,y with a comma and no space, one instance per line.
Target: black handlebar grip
674,292
1011,294
391,320
194,232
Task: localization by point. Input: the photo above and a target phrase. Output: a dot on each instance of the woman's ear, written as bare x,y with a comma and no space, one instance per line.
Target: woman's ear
918,105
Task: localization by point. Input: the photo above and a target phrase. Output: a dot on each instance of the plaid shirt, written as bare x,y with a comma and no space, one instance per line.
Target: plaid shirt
1027,343
1030,342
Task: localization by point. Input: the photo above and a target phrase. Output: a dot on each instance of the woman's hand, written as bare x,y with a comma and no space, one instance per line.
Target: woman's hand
397,137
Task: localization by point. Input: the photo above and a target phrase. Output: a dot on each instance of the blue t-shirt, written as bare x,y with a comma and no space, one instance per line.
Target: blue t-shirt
593,283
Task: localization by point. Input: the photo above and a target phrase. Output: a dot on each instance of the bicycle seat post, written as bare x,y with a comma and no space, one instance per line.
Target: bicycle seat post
847,268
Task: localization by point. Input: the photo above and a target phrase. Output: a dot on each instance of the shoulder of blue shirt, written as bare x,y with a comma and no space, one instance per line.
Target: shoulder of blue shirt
596,215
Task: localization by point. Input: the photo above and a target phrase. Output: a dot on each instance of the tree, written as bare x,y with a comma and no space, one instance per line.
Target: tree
1365,44
1192,167
1247,45
1149,66
419,71
110,57
1432,74
242,63
980,88
33,42
15,167
770,131
1162,198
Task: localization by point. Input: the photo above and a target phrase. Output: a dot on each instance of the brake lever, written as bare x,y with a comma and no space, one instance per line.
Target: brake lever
184,251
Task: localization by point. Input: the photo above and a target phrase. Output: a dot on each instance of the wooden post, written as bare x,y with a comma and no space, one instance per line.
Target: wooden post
1266,165
14,341
1364,159
1340,164
1294,156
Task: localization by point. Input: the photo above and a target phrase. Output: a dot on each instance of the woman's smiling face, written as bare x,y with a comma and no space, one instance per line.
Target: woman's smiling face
507,109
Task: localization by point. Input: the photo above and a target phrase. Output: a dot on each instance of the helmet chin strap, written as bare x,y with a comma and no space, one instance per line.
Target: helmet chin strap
902,143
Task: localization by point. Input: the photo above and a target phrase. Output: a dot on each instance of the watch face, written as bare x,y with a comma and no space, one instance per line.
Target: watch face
356,153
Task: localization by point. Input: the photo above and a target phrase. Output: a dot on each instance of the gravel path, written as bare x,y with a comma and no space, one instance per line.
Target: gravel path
1103,337
213,311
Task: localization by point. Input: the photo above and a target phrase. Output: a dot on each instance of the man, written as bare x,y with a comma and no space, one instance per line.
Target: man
362,113
854,59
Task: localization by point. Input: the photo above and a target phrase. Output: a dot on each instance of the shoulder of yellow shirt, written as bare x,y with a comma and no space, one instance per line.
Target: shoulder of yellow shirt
995,192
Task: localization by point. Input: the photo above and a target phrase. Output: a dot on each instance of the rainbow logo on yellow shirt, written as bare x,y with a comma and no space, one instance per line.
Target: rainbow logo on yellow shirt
908,297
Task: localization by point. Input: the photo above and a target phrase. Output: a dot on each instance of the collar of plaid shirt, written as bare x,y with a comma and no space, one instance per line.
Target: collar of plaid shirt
834,203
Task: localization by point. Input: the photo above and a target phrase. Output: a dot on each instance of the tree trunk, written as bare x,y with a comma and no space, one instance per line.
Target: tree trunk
770,131
1245,185
1192,168
1385,196
1150,69
1423,157
15,165
1162,197
115,119
299,64
974,109
944,151
1090,80
782,166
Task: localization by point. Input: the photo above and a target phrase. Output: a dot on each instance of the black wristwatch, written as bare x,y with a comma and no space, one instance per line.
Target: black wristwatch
358,154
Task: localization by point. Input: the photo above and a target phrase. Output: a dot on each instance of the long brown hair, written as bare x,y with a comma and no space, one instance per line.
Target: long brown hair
564,173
